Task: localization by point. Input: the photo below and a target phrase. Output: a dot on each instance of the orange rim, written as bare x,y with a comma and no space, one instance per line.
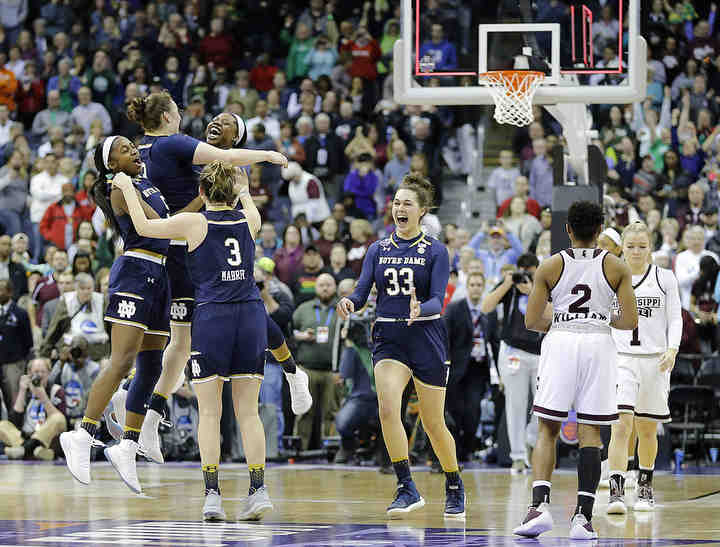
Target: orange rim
514,79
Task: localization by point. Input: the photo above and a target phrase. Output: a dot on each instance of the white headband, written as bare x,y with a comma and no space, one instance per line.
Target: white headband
107,146
612,234
241,129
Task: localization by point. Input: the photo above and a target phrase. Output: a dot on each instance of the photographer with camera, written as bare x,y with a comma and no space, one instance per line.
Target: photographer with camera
519,355
356,368
38,416
75,373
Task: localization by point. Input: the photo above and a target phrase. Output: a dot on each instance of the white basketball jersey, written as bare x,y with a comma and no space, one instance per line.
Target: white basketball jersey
652,333
582,298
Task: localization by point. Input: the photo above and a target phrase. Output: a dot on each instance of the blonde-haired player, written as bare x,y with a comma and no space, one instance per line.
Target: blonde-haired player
646,356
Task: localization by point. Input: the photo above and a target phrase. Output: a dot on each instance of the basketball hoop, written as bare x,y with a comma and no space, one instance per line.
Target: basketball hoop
512,91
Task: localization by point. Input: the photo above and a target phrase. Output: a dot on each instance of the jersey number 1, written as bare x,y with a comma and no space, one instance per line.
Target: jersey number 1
636,337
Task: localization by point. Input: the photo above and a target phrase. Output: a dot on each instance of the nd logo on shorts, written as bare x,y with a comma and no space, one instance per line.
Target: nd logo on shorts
126,309
178,311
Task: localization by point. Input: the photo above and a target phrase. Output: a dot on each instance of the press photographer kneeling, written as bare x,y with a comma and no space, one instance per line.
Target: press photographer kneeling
37,418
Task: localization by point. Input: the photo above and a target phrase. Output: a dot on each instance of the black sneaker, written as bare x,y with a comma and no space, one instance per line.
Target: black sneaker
455,501
407,499
645,501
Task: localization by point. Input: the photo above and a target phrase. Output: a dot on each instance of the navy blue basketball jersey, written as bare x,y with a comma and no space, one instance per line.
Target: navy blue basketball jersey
168,163
397,265
154,198
222,266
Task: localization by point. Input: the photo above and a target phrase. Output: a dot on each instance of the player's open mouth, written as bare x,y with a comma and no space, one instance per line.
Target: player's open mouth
214,132
402,220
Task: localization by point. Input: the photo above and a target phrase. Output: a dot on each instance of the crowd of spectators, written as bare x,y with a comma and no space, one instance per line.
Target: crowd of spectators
314,81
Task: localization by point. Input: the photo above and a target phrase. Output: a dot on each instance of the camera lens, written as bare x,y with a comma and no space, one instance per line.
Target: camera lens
36,380
76,353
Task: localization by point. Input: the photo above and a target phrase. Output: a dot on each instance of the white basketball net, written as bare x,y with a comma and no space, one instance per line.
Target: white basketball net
513,92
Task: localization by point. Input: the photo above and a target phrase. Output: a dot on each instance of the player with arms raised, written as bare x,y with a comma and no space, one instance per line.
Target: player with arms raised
646,355
577,360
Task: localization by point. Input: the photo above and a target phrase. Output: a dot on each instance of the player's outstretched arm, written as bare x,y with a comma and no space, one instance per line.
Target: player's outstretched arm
188,226
205,153
627,319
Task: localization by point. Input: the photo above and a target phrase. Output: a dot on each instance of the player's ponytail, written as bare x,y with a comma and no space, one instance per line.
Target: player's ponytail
148,111
423,188
217,180
100,191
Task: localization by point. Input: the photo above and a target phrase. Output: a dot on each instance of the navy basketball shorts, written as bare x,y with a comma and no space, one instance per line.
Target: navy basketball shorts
422,347
139,293
182,291
228,341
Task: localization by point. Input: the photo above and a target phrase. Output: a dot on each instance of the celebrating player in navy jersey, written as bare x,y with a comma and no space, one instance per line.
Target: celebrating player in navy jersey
225,131
167,161
229,332
138,310
410,271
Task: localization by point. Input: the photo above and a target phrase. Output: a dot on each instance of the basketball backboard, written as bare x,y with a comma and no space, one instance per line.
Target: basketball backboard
589,54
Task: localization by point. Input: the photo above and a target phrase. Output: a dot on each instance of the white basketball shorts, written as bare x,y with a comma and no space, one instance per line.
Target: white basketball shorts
578,370
643,389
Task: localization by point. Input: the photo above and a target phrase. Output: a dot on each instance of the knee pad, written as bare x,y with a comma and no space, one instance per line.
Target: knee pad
275,336
148,367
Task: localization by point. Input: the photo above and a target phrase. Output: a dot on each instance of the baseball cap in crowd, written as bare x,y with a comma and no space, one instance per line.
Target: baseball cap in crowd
496,230
197,99
266,264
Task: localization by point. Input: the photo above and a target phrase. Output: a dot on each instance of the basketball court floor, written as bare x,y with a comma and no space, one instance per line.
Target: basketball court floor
40,504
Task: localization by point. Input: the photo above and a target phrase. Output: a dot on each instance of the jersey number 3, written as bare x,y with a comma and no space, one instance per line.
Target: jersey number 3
397,277
234,248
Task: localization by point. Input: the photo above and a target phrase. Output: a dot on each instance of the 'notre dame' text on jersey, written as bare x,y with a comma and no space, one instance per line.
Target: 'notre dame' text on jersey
222,266
582,298
659,314
395,266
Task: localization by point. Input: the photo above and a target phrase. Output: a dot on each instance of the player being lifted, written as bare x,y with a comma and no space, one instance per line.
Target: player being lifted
577,360
646,356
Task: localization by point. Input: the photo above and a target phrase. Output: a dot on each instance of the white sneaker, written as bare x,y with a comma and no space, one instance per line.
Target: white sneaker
616,506
580,528
537,521
122,458
77,447
604,474
300,398
212,510
256,505
114,414
150,438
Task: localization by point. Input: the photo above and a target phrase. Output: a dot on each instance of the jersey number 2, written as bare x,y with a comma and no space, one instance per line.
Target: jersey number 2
577,306
234,249
395,277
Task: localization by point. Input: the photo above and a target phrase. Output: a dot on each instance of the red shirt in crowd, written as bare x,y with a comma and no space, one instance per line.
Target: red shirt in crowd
45,290
364,59
532,206
261,77
54,221
218,50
